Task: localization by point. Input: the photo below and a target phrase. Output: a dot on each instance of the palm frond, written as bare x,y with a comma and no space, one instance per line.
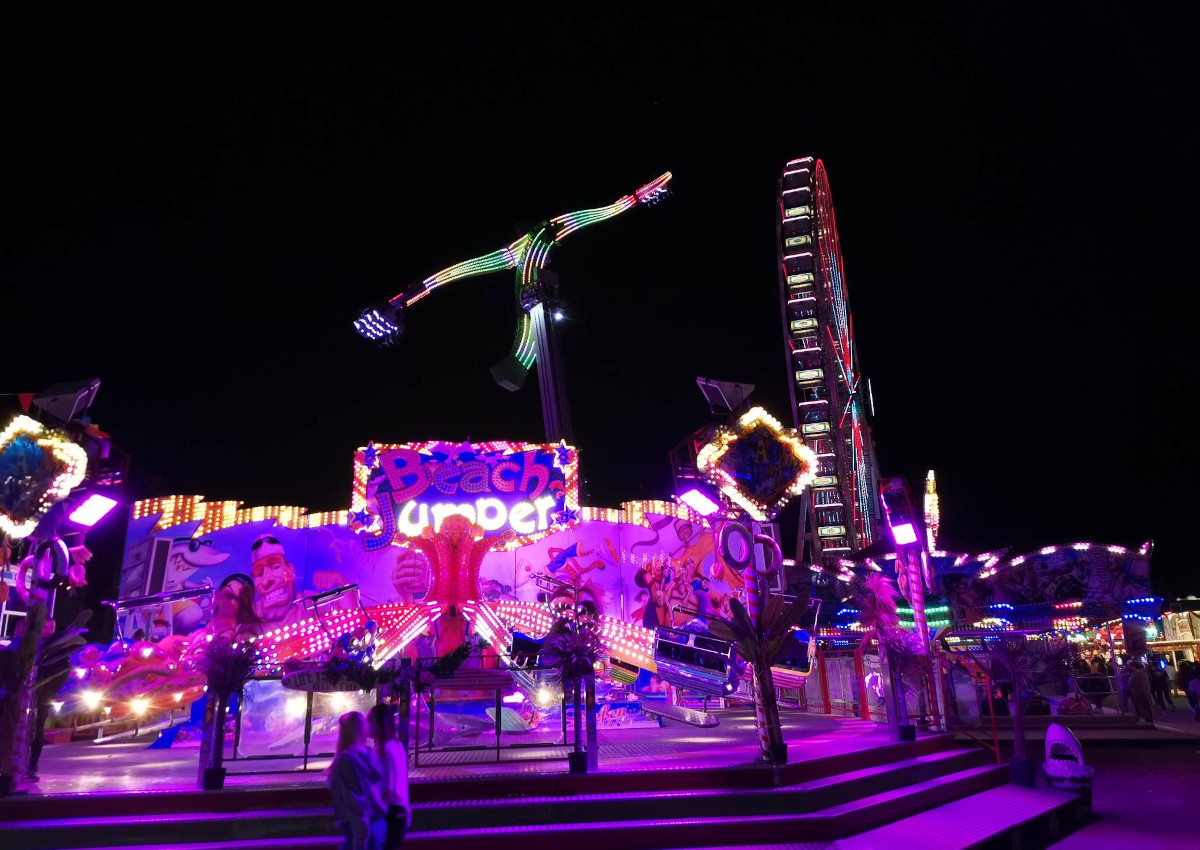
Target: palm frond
227,666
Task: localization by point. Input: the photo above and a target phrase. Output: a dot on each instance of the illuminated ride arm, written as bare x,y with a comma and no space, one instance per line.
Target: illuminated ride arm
528,255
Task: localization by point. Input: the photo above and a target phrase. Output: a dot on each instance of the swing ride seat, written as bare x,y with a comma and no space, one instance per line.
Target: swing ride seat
690,716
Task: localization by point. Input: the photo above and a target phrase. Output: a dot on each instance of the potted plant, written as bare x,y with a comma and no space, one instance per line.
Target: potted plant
226,666
1026,664
763,644
572,647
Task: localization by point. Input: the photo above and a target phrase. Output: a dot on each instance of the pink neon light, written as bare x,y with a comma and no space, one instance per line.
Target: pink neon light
904,534
92,510
698,502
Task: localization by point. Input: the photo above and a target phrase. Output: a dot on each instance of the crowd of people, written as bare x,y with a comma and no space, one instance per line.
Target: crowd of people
369,781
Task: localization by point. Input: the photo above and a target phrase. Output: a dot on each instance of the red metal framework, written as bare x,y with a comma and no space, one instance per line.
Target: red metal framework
827,389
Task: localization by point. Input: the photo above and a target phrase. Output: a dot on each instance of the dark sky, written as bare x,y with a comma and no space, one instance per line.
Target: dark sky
194,211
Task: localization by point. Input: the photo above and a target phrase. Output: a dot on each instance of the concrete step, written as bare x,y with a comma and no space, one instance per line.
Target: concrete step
819,828
1004,817
27,834
495,786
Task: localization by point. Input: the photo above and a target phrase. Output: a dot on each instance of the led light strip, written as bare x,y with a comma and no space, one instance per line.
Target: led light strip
71,458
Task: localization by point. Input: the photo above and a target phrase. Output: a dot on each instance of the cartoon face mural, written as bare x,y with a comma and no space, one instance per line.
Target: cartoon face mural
263,576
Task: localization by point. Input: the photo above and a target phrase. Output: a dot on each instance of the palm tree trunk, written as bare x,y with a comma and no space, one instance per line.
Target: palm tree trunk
776,750
212,736
1018,726
576,699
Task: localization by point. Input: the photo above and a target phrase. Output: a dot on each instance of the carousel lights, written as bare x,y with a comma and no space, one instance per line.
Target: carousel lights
71,458
91,699
140,705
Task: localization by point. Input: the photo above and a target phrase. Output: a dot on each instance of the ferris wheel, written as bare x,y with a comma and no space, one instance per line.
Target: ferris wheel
828,393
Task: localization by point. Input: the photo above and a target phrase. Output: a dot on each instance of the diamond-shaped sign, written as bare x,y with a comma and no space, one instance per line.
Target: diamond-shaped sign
38,468
758,464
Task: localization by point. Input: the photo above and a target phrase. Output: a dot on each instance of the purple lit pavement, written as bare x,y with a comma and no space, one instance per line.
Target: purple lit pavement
82,766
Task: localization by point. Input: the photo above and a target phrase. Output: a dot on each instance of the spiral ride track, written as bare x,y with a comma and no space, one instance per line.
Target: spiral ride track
841,512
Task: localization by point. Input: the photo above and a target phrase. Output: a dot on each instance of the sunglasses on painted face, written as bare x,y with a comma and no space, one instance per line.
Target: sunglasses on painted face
260,541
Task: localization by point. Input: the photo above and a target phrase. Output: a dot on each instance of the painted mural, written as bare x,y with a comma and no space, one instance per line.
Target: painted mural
263,576
1095,574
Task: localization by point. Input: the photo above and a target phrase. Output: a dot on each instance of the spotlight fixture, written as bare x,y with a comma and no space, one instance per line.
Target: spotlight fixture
381,325
699,502
93,509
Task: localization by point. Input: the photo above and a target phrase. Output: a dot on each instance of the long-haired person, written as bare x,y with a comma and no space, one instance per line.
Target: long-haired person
354,779
393,764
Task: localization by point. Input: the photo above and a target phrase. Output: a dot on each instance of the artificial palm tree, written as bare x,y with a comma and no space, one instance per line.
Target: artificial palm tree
1026,664
226,666
763,644
572,647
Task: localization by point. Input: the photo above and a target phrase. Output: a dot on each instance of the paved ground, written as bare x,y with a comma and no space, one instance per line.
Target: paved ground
1143,797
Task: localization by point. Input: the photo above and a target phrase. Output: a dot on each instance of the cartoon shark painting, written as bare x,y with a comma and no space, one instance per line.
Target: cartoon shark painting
185,556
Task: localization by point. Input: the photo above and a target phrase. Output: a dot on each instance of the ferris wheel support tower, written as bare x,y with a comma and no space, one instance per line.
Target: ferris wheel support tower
841,512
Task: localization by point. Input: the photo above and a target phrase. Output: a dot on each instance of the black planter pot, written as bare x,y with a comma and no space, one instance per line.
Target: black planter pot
1024,773
779,753
577,762
214,778
906,732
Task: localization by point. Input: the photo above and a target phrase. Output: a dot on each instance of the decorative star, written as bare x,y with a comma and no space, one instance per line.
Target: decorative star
564,455
360,519
369,456
565,516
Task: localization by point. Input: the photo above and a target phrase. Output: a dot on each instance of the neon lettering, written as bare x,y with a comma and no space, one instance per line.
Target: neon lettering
536,472
543,505
519,518
500,483
410,527
405,473
442,510
491,514
445,478
474,477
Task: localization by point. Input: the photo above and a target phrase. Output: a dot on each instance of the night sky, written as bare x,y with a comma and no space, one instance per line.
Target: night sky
195,210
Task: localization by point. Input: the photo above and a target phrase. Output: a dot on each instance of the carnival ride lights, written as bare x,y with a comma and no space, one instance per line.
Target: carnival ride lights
528,255
822,358
932,511
26,434
708,462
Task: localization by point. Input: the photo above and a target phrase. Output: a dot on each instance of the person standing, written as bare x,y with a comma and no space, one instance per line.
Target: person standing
393,764
1187,672
50,678
354,779
1139,691
1160,686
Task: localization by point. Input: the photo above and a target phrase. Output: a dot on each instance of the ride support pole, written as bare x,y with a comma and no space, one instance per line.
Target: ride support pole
752,608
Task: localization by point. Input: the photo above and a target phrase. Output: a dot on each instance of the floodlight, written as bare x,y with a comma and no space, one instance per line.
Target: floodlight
93,509
904,534
381,325
699,502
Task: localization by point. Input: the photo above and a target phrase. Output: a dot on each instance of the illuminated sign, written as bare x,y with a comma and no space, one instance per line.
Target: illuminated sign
38,468
757,463
530,489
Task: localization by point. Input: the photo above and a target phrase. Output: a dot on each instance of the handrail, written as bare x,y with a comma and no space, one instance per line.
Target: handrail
974,669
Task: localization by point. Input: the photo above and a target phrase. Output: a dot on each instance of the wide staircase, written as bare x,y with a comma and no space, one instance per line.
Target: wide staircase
930,793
